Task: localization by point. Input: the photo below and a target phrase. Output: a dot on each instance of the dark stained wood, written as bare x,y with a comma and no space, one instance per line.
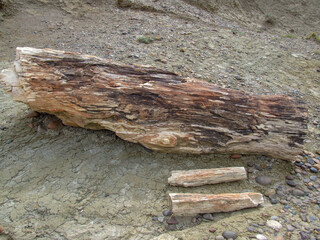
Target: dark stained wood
154,107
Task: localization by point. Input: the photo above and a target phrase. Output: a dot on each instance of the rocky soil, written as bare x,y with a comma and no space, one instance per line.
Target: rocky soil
60,182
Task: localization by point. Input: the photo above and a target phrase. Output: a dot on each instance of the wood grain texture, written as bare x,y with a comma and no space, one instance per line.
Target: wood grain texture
199,177
190,204
156,108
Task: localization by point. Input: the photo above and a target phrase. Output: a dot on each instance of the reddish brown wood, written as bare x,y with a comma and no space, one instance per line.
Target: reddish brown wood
156,108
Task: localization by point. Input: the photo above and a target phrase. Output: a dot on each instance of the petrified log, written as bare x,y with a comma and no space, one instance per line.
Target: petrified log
189,204
156,108
199,177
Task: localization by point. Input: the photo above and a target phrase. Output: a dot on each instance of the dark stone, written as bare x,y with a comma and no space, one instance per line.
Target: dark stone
212,230
208,216
264,180
9,141
166,213
311,188
251,229
229,234
291,183
154,218
107,195
304,236
298,163
172,221
314,170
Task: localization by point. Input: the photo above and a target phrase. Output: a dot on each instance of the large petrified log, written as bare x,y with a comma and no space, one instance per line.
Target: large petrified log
188,204
199,177
157,108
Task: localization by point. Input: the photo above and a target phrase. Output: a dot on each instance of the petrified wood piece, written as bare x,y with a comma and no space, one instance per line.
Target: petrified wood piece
189,204
153,107
198,177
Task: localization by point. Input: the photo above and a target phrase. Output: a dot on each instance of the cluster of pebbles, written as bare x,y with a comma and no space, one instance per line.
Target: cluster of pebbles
297,218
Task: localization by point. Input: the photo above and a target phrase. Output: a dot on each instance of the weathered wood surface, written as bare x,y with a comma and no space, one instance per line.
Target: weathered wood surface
156,108
199,177
189,204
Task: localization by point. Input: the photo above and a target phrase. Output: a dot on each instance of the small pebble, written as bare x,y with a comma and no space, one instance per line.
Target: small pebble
298,192
194,220
9,141
161,219
290,228
229,234
314,170
263,180
154,218
251,229
32,114
1,229
54,125
313,178
270,192
166,213
212,230
274,218
172,221
236,156
291,183
208,216
274,225
286,207
107,195
219,237
273,200
261,237
298,163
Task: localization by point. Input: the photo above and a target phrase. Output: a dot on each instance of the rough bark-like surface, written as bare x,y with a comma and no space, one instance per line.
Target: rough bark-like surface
189,204
156,108
199,177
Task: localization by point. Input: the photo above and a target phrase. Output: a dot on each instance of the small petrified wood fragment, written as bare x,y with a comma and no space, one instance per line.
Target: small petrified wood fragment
199,177
189,204
156,108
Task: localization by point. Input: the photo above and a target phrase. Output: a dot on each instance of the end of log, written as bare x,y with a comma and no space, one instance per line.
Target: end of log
190,204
